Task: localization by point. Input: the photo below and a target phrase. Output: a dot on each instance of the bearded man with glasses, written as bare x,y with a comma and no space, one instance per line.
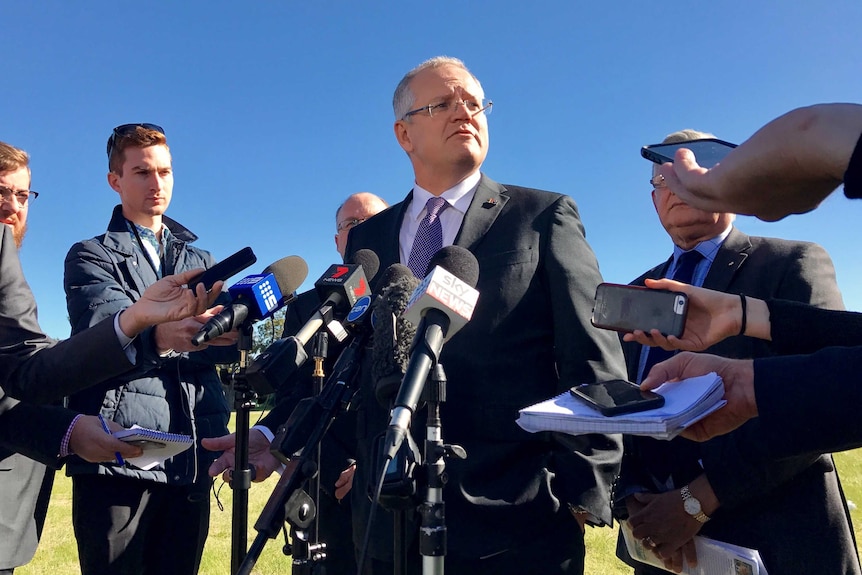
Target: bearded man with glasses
126,519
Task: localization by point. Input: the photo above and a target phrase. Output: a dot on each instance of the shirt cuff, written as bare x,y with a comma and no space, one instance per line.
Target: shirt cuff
269,437
125,341
65,451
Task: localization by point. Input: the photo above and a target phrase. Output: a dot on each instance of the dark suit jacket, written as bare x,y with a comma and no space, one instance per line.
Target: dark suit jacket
36,431
529,339
792,510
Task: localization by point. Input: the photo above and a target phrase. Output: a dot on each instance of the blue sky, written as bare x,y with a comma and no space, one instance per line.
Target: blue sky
276,111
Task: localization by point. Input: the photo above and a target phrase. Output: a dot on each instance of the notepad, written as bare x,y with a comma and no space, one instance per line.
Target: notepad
686,402
157,445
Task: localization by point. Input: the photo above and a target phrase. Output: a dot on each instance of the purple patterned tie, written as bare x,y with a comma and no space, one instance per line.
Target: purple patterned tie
429,237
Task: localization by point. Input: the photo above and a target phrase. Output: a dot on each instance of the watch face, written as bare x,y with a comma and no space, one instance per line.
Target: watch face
692,506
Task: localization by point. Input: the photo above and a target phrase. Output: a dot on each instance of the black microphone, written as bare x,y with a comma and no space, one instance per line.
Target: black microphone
339,288
443,303
342,285
393,334
256,297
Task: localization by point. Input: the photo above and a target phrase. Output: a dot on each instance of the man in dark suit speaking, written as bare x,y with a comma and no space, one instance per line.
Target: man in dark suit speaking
519,501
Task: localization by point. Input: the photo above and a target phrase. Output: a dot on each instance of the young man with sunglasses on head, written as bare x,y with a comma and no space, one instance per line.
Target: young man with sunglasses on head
128,520
35,439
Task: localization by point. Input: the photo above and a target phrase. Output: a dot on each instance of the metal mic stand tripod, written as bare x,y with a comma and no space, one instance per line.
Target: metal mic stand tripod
432,532
241,476
308,424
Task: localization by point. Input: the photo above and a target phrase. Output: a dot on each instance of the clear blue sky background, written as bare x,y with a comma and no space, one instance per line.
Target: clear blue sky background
276,111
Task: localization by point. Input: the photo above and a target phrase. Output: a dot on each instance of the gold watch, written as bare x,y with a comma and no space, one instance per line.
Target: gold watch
691,504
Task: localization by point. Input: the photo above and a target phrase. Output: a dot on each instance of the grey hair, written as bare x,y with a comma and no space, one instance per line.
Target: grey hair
403,98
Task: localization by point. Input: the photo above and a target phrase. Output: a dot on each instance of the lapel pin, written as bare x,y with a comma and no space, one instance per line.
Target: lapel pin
489,203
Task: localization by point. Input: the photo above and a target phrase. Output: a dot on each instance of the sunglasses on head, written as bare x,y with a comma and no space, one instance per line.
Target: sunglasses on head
126,129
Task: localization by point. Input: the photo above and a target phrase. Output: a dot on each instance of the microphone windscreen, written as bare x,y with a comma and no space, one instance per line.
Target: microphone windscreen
458,261
289,273
393,335
368,260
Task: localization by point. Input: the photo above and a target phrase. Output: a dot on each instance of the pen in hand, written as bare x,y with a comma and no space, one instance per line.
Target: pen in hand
108,431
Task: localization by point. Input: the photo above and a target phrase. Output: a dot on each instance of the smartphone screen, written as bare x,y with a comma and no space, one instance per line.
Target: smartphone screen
616,397
626,308
707,151
224,269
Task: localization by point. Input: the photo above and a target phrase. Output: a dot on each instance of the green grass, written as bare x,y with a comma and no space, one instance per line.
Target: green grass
57,554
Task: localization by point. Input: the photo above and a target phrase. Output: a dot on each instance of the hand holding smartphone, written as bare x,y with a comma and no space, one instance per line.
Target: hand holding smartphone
224,269
616,397
707,151
625,308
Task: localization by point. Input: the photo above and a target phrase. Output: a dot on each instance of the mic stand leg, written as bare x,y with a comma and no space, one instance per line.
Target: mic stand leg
432,532
288,502
240,483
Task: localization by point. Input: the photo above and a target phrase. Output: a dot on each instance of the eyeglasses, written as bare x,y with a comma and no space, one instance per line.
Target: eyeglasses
20,196
657,181
474,108
347,224
125,130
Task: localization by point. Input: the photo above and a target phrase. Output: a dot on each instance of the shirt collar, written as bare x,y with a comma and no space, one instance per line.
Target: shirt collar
459,196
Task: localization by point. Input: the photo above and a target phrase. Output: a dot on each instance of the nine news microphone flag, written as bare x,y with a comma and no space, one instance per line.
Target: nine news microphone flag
256,297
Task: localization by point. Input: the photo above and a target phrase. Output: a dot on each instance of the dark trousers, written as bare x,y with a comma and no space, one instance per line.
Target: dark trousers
129,526
335,527
561,554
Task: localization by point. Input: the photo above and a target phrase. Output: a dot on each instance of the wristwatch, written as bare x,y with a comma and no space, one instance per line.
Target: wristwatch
691,504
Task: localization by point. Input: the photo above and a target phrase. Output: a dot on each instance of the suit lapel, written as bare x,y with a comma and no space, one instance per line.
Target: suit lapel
487,204
728,261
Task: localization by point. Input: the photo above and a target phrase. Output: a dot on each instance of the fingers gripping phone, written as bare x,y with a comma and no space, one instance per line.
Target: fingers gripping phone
626,308
224,269
707,151
616,397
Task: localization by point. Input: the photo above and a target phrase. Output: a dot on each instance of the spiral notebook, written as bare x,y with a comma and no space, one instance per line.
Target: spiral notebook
157,445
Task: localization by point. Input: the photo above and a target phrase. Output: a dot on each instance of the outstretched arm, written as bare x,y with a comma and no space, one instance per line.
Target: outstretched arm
787,167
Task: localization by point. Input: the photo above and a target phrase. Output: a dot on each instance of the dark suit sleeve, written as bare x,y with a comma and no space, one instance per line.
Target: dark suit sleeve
584,354
34,367
797,328
32,430
809,404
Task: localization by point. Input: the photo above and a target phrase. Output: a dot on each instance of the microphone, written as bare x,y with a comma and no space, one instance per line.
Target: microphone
256,297
341,286
443,304
393,334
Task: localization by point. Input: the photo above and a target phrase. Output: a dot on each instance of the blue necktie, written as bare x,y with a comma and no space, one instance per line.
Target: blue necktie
684,273
676,459
429,237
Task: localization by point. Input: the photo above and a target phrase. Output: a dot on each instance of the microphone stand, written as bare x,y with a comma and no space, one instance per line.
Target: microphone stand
241,476
288,502
432,532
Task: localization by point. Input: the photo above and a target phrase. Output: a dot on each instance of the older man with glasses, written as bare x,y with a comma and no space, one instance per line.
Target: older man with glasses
130,520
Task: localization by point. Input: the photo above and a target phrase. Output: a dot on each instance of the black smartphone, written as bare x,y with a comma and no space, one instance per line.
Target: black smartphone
707,151
616,397
224,269
626,308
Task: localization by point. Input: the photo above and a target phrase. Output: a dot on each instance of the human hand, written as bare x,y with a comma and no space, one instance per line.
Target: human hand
168,300
661,523
259,457
712,316
344,483
90,442
178,335
738,378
